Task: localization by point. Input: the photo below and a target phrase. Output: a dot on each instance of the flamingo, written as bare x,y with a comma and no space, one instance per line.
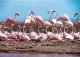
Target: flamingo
68,24
30,20
77,22
58,37
47,25
64,18
58,24
2,35
50,35
10,20
53,20
52,13
38,20
77,36
33,35
16,14
67,35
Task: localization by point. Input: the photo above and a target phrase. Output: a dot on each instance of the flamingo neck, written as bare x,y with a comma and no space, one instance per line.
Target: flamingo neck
56,15
23,29
50,19
16,19
77,18
37,29
64,29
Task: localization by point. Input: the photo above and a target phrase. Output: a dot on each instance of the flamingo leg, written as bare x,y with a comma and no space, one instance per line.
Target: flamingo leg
38,29
78,29
29,29
52,29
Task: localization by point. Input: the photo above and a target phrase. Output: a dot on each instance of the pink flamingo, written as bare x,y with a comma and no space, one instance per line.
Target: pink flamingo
30,20
64,18
77,22
51,14
77,36
67,35
38,20
58,24
69,25
2,35
10,20
47,25
53,20
16,14
19,31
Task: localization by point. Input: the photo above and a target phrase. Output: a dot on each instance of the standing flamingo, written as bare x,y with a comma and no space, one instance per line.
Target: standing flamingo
69,25
47,25
77,22
64,18
30,20
53,20
38,20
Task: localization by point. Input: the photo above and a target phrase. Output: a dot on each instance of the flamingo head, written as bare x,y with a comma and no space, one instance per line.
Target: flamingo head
32,13
16,14
49,11
76,14
54,11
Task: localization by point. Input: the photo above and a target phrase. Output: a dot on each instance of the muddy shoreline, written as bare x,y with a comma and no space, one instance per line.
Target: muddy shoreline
45,47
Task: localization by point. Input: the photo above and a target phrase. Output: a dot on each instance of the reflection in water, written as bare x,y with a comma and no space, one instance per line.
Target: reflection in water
41,55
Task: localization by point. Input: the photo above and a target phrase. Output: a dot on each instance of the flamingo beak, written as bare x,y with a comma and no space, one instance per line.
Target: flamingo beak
16,14
33,13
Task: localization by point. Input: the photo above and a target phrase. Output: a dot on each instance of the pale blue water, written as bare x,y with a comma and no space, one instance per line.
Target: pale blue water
9,7
41,55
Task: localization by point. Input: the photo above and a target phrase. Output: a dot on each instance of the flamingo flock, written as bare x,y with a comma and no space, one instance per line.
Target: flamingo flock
60,31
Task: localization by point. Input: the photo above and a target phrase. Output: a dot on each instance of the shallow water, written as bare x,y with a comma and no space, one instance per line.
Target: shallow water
39,55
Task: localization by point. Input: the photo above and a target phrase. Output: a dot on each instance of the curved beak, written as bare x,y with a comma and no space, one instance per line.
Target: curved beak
16,14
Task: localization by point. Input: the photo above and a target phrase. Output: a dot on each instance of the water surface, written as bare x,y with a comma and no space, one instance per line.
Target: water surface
39,55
